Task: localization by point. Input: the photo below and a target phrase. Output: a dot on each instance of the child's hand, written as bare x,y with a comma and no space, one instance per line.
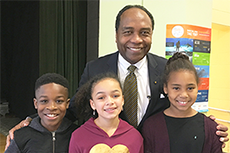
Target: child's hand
23,123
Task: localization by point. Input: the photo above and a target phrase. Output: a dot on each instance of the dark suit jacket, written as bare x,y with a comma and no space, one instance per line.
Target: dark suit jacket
108,63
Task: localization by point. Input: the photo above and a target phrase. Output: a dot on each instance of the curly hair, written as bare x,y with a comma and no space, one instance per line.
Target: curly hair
84,94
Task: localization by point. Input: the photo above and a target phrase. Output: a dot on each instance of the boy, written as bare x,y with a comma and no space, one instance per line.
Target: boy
49,131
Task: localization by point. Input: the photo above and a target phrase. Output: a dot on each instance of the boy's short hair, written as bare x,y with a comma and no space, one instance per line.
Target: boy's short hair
51,78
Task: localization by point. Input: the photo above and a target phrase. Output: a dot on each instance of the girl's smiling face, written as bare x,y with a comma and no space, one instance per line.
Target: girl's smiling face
182,89
107,99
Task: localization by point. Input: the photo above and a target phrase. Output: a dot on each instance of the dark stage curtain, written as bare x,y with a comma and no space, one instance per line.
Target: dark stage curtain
19,54
66,37
44,36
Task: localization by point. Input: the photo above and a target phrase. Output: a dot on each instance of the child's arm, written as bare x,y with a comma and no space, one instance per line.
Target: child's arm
212,143
147,141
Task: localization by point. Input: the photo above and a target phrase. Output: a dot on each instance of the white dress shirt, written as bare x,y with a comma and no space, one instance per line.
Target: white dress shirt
143,87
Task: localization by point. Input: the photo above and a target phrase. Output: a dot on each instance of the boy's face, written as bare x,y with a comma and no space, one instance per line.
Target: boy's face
51,103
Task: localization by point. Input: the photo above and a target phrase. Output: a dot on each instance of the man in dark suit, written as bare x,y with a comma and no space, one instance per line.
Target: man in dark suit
133,42
134,29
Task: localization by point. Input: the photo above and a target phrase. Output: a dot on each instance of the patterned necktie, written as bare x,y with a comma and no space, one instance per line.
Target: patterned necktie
130,96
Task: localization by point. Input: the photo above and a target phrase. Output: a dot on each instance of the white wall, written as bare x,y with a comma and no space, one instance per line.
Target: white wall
221,12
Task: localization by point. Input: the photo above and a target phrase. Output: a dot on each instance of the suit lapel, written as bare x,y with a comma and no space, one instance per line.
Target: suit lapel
153,71
112,63
154,81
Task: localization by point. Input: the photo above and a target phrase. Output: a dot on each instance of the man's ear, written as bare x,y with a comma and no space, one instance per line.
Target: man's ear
116,37
35,103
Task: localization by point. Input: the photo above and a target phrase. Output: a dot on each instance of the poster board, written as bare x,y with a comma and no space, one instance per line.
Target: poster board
194,41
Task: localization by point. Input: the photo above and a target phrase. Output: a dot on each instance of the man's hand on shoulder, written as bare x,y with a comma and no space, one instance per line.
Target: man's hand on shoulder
23,123
221,131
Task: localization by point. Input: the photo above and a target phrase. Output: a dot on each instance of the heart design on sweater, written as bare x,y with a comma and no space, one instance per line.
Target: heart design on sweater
103,148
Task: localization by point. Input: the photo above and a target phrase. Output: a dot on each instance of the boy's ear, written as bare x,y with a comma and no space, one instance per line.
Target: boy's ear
35,103
68,102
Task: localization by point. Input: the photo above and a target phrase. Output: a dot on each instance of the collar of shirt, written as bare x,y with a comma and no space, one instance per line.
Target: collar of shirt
123,66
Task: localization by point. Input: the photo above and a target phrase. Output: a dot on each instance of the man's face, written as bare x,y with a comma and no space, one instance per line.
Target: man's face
134,35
